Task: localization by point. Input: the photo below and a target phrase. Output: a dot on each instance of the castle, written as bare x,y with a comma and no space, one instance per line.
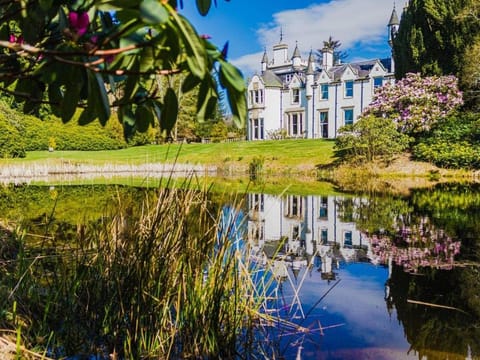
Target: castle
303,99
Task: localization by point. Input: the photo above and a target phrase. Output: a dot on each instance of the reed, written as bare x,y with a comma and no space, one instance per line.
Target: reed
168,279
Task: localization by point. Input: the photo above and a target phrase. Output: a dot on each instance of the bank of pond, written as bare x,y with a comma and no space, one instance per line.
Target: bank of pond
136,272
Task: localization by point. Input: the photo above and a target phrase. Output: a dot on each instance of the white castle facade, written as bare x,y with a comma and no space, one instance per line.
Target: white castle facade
305,99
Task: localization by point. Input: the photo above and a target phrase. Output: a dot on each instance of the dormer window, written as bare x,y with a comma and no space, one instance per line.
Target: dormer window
295,96
349,88
256,96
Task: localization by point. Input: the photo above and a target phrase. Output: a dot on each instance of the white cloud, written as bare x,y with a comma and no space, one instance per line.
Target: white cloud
249,63
353,22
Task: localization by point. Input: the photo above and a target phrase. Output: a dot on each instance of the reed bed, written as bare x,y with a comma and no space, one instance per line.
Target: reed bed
168,279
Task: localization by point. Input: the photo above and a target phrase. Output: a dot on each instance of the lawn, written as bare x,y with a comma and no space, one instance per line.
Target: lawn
279,156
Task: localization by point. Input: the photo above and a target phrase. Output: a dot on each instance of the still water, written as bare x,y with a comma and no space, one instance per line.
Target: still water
355,277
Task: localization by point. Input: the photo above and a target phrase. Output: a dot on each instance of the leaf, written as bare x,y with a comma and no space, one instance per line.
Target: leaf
100,97
230,76
153,12
143,118
196,55
74,82
168,117
238,105
203,6
86,117
189,83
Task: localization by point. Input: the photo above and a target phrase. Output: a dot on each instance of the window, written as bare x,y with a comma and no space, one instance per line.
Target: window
323,212
256,96
257,129
349,88
295,124
377,82
324,123
348,116
323,236
295,96
258,201
288,77
294,206
324,92
347,238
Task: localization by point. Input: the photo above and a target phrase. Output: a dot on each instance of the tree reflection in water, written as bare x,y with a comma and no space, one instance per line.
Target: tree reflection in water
429,241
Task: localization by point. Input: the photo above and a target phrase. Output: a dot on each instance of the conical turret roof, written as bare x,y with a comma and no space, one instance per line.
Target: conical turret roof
394,18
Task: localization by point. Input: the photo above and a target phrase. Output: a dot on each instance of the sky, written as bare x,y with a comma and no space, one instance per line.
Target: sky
251,26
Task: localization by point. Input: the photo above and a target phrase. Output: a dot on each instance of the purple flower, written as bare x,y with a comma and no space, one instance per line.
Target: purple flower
79,22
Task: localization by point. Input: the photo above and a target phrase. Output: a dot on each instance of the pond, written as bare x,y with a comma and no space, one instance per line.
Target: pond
349,276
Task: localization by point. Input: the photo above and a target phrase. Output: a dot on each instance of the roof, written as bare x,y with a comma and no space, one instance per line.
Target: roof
271,80
394,18
265,57
296,52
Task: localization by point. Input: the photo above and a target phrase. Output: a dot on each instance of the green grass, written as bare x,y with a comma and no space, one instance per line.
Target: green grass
280,155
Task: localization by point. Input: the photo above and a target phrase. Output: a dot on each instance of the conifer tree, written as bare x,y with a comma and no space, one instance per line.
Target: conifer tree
433,36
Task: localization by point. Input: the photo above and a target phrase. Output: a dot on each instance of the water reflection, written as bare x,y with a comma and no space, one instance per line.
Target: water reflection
352,273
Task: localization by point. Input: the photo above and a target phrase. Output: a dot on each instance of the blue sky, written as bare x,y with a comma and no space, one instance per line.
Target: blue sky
251,26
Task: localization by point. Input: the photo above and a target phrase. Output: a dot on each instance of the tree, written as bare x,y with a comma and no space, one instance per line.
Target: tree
334,46
370,138
470,76
416,103
433,36
78,54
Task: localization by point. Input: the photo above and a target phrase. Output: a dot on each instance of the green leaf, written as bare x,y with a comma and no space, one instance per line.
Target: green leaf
189,83
153,12
196,55
71,97
86,117
168,117
98,97
238,105
230,76
203,6
143,118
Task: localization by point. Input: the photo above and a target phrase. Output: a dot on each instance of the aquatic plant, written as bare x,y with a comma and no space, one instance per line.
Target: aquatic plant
151,281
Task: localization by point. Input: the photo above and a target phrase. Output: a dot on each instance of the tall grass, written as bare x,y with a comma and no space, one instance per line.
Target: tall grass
161,280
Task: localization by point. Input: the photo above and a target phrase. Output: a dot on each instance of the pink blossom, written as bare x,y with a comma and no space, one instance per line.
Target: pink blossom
79,22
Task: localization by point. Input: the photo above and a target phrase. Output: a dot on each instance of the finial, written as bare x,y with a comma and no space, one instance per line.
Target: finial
281,35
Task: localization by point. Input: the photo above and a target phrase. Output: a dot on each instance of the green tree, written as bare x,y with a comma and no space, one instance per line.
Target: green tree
77,54
370,138
432,37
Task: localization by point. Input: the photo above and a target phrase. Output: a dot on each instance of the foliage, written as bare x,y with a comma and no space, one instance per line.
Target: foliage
277,134
432,37
97,54
416,103
453,143
470,76
370,138
12,137
178,285
333,46
219,132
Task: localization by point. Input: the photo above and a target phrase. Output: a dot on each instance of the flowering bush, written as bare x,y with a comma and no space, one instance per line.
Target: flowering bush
415,103
414,246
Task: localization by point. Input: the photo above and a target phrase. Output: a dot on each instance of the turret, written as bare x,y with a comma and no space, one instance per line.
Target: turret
264,61
310,75
393,25
296,57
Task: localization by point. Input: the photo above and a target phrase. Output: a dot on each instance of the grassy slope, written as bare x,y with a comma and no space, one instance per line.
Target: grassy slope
284,155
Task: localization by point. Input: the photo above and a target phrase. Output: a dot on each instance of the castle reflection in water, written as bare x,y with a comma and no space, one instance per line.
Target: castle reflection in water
306,230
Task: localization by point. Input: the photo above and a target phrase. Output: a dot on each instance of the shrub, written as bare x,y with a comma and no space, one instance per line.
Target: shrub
415,104
370,138
452,143
12,142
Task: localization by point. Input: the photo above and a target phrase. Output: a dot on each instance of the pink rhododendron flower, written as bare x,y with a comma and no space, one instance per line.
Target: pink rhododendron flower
79,22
